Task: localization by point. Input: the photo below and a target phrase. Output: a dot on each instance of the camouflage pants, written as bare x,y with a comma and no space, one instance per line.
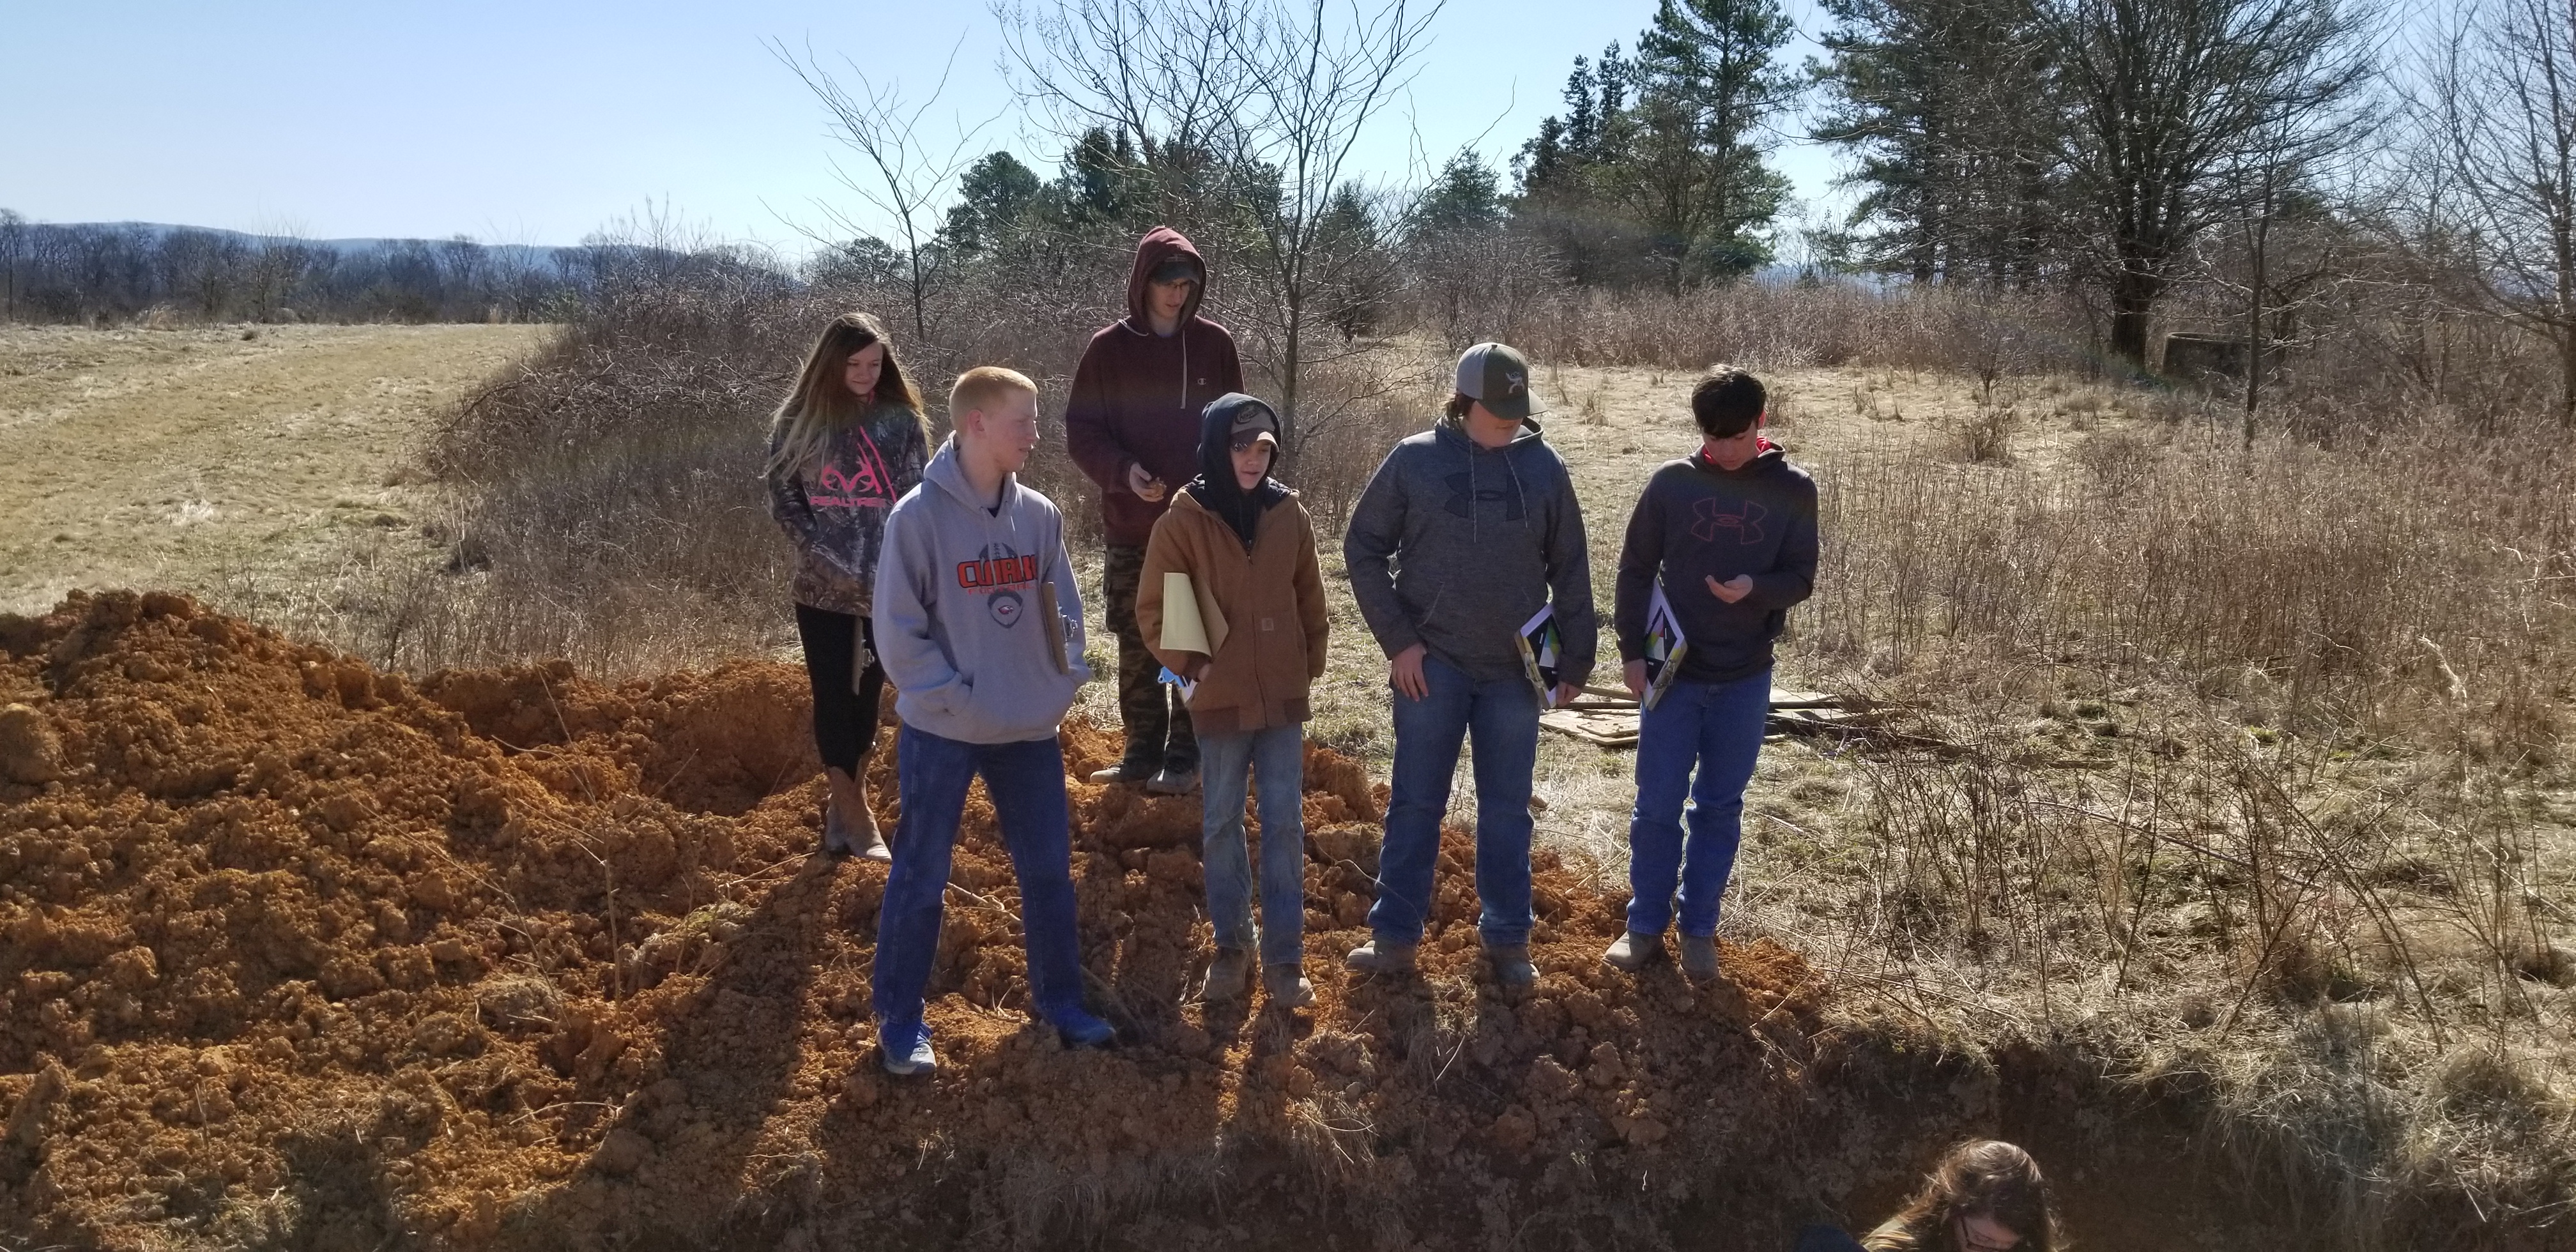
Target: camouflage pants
1158,726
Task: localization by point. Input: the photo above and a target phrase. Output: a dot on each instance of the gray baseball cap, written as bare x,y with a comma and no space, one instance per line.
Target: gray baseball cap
1497,376
1253,420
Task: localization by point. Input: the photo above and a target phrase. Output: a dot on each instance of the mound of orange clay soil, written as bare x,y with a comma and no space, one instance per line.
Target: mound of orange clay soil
303,955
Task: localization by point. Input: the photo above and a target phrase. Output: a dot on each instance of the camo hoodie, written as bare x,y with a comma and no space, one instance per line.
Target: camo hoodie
835,510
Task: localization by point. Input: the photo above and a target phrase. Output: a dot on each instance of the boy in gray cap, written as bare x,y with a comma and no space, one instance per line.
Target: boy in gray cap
1465,532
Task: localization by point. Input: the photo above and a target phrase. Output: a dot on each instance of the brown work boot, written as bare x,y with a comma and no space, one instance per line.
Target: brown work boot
1631,952
849,827
1383,956
1229,975
1287,986
1699,957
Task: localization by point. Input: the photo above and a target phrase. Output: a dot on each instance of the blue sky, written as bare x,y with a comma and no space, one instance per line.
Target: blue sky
539,122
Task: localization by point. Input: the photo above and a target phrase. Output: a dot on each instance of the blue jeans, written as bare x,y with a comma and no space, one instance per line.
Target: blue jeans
1718,727
1226,763
1026,782
1502,716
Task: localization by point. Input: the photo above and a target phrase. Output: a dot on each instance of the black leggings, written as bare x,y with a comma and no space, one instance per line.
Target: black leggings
845,713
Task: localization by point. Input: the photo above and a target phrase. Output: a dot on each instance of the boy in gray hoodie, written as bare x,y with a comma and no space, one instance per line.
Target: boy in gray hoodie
979,628
1466,531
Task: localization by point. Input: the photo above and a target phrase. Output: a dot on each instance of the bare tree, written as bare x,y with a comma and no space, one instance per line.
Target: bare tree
276,266
905,176
2279,280
203,267
1168,75
2167,96
2505,93
1261,102
13,250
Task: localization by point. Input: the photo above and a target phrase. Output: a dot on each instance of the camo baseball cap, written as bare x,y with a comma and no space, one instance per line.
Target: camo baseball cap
1497,376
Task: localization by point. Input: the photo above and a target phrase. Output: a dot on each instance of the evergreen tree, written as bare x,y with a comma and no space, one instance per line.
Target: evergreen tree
996,199
1709,83
1947,107
1466,197
1656,171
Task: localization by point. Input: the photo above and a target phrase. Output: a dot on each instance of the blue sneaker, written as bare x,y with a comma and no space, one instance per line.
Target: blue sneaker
1082,1030
910,1061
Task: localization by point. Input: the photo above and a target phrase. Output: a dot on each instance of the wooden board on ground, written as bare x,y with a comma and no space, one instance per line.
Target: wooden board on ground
1612,719
1609,729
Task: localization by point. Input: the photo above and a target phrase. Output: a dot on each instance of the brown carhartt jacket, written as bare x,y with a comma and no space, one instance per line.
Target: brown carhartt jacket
1273,601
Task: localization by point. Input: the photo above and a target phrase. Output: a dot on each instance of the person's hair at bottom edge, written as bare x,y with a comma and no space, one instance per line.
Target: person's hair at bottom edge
1976,1178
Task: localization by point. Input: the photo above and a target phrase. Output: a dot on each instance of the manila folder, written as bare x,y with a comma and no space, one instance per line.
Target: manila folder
1182,629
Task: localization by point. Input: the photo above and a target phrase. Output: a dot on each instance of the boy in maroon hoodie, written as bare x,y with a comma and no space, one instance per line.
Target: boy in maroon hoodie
1132,424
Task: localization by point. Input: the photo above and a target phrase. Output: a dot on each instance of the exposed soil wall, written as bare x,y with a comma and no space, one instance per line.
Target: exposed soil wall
300,954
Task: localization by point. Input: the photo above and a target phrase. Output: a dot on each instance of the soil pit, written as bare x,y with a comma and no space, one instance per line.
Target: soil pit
300,954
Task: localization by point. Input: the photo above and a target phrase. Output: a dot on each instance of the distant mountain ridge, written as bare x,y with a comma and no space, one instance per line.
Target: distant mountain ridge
535,253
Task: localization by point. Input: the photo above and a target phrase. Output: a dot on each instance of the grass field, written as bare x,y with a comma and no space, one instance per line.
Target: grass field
235,461
2238,778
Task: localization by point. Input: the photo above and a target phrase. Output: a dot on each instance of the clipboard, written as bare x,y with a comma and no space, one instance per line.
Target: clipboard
1053,620
1191,620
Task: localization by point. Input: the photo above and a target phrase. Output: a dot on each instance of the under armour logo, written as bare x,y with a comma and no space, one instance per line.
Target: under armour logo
1459,504
1710,517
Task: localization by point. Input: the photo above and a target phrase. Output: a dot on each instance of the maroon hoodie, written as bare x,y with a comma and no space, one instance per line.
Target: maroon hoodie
1137,395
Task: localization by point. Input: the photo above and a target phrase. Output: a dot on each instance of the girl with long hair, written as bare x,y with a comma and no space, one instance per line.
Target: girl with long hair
1984,1196
844,445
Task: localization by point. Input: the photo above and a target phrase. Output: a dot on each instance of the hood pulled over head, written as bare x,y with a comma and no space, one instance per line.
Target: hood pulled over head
1215,488
1160,245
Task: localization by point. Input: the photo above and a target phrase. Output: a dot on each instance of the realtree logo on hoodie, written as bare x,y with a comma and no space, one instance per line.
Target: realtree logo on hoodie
866,484
995,573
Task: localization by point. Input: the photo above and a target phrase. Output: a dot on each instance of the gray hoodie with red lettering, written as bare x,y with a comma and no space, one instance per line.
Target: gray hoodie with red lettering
960,610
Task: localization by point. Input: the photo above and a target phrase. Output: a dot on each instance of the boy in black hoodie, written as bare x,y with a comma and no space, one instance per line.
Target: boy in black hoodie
1730,533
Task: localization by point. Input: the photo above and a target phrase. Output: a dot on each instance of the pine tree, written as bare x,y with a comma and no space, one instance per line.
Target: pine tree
1948,108
1709,82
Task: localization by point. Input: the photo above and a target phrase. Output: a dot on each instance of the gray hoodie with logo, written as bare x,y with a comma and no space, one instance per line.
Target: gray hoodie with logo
959,610
1454,545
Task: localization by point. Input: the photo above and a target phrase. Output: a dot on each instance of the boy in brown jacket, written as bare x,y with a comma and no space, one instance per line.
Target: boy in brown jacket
1248,550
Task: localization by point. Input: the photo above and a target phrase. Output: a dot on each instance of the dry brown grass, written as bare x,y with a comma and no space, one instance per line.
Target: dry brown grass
2257,789
2257,793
